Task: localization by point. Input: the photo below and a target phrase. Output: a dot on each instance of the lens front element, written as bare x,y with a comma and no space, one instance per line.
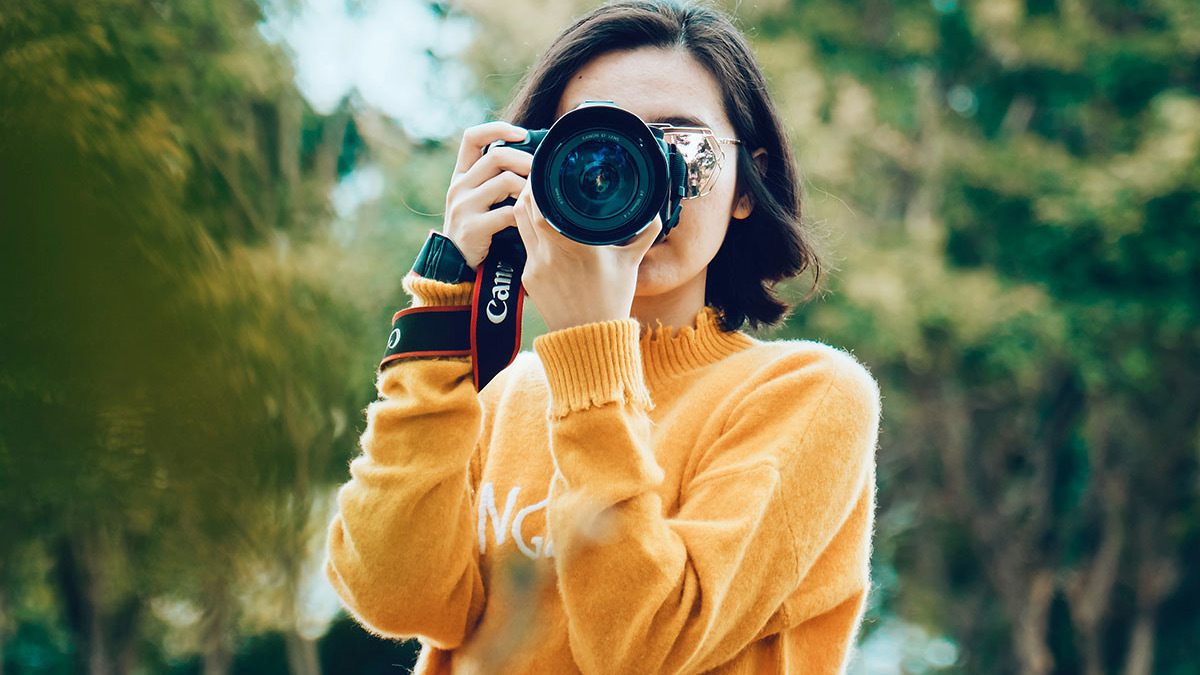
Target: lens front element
598,179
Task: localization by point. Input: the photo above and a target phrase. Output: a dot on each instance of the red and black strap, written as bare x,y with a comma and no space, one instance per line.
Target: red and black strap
488,330
429,331
498,303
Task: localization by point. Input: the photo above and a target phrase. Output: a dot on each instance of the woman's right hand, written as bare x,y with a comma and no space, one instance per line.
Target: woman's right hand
481,181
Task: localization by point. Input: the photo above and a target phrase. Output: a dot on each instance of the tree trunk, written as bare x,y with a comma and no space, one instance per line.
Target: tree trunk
1006,547
291,113
302,655
1029,634
78,569
1089,589
333,136
1157,578
1139,660
97,653
218,653
3,623
122,632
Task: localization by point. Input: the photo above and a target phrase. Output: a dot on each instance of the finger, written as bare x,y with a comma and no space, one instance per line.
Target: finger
468,221
489,224
483,227
495,161
642,241
526,214
495,190
476,138
543,229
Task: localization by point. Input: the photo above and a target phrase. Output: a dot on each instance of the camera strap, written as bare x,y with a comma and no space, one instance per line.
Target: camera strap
488,330
428,331
496,307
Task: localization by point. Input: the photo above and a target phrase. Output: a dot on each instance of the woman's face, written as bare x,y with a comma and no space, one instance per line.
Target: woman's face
661,85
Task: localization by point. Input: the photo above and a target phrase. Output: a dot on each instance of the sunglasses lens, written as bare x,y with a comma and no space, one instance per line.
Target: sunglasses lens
702,157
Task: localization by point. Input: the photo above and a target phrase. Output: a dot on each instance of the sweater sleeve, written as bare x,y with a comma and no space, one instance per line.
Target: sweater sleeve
401,551
771,499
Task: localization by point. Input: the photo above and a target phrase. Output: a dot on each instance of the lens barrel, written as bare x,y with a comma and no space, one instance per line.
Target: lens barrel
600,174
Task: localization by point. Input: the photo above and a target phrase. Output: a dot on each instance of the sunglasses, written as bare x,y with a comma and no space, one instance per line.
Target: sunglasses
701,152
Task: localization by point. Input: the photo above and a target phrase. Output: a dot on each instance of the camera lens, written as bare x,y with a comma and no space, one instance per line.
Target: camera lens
600,174
598,179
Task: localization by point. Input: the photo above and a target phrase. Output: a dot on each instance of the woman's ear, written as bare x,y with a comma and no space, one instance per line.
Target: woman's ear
744,205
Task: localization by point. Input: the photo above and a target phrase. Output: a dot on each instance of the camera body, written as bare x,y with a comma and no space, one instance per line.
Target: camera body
600,174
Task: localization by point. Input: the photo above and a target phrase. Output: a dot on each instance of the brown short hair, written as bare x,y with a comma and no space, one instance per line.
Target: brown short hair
770,245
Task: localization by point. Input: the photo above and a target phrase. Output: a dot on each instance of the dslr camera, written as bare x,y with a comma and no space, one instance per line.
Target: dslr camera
600,174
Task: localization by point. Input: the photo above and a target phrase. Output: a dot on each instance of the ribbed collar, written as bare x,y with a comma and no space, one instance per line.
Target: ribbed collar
665,356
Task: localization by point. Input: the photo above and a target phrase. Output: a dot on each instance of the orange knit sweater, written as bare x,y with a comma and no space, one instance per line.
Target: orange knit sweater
615,503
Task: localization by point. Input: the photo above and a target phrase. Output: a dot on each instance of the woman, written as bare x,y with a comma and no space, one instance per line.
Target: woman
651,491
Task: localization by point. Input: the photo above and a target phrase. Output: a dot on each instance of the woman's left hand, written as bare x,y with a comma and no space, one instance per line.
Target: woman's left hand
572,283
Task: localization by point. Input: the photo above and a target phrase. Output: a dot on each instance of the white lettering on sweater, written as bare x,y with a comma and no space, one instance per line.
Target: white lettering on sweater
516,531
487,506
534,547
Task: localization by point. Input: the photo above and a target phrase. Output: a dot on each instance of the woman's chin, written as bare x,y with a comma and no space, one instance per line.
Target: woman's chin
650,285
656,277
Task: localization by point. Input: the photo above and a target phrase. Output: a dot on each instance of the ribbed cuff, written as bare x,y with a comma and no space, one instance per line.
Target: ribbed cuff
430,293
593,365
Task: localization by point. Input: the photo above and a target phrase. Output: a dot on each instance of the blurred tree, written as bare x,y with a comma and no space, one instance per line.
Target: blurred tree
179,359
1016,191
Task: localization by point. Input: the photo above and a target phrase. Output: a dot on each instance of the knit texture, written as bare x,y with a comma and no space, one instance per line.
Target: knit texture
430,293
593,365
616,503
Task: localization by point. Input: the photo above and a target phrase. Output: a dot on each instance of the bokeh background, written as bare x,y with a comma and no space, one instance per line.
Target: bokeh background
206,209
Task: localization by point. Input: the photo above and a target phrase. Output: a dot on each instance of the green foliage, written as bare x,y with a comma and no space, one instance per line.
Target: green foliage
1017,187
182,358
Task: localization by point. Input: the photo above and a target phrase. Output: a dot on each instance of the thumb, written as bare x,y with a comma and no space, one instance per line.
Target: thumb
643,240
